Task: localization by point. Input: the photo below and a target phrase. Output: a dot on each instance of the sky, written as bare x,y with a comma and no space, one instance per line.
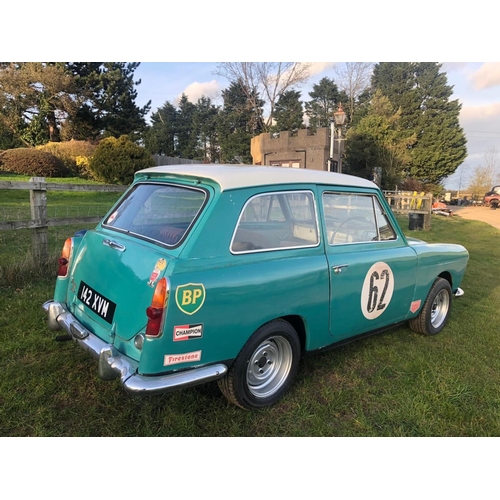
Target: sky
476,85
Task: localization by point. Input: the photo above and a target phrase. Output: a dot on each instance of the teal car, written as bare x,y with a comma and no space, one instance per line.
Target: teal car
232,273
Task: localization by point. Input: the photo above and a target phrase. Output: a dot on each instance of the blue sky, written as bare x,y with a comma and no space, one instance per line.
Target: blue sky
476,85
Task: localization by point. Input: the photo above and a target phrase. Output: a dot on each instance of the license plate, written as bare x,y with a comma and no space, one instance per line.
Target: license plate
96,302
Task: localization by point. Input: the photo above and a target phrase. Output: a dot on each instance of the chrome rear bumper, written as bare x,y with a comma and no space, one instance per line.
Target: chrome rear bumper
113,364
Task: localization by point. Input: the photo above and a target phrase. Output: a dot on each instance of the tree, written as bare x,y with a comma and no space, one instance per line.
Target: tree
485,175
325,97
109,109
377,142
288,112
205,123
421,93
266,81
187,137
35,98
160,138
480,182
353,80
236,124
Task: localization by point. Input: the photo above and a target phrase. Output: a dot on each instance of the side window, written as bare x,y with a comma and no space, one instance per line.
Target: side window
275,221
355,218
385,230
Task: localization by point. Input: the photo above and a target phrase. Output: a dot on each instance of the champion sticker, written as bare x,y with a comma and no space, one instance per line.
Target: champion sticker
415,306
377,290
188,332
160,265
190,297
187,357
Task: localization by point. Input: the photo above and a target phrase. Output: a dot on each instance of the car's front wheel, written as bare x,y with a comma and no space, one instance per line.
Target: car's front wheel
435,311
265,367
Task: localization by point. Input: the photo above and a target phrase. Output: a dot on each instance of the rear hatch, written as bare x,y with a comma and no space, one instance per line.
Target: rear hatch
112,283
117,266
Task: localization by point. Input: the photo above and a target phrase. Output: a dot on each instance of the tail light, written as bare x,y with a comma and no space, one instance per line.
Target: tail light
64,259
156,311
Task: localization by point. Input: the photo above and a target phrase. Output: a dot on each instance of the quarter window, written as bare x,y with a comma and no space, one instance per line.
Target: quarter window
355,218
275,221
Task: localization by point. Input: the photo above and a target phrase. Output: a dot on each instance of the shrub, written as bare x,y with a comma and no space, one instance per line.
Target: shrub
74,154
28,161
116,160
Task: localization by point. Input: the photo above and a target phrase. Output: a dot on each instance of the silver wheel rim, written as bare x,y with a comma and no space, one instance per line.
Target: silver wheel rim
269,367
439,308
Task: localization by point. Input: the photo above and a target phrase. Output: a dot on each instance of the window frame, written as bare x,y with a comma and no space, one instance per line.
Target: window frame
374,199
292,220
148,238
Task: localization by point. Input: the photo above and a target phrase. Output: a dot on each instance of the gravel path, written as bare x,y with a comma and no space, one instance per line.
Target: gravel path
484,214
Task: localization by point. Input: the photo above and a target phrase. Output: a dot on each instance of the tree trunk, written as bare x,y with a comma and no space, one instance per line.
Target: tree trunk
53,129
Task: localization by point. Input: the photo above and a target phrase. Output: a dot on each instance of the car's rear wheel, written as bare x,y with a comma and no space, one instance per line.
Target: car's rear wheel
435,311
265,367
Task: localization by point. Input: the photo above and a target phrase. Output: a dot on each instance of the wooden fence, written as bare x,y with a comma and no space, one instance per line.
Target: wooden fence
39,222
411,203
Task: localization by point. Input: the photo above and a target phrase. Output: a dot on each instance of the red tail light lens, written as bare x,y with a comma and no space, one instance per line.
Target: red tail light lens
156,311
65,259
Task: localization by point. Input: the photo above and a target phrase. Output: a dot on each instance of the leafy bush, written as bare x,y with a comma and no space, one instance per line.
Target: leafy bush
116,160
28,161
74,154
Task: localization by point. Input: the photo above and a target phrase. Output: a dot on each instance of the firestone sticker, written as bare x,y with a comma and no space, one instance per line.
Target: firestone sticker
188,332
187,357
160,265
376,293
190,297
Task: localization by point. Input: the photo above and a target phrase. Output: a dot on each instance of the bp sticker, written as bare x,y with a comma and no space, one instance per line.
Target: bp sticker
377,290
190,297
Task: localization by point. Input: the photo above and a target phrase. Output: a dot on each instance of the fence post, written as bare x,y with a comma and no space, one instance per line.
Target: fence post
38,202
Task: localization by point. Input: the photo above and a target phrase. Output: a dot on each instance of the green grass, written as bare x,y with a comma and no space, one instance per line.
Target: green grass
396,383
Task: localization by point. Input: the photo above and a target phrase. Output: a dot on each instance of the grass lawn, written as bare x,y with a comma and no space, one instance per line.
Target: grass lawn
397,383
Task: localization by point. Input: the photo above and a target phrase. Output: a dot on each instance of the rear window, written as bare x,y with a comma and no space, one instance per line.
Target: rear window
159,212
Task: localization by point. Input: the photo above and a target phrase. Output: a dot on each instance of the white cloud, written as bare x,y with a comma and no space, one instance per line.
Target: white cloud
208,89
488,75
485,113
319,67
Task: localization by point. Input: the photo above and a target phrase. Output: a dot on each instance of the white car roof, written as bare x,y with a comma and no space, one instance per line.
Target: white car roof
241,176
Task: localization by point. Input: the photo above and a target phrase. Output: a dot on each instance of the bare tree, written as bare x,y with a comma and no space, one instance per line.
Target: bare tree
481,182
265,81
492,162
353,78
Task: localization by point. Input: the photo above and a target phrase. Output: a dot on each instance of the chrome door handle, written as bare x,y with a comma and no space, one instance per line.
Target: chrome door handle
338,269
114,244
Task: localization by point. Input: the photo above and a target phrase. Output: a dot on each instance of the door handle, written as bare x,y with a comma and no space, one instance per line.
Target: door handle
114,244
338,269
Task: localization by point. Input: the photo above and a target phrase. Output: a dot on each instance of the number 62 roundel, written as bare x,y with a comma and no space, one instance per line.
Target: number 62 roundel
377,290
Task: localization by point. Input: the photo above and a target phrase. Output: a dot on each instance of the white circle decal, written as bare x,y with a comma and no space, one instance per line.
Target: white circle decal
377,290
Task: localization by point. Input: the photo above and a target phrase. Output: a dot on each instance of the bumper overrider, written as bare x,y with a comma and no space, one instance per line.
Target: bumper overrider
113,364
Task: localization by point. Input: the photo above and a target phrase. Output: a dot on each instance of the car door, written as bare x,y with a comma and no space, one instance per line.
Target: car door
372,269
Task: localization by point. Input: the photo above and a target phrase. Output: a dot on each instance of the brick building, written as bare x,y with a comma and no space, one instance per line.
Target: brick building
299,149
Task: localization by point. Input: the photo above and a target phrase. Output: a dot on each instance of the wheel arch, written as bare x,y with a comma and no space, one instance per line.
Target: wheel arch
299,325
447,276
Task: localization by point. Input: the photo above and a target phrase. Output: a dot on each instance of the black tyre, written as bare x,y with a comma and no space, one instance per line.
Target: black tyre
434,314
265,367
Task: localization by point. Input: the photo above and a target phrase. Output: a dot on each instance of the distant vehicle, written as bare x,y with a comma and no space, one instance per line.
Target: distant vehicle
232,273
492,198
